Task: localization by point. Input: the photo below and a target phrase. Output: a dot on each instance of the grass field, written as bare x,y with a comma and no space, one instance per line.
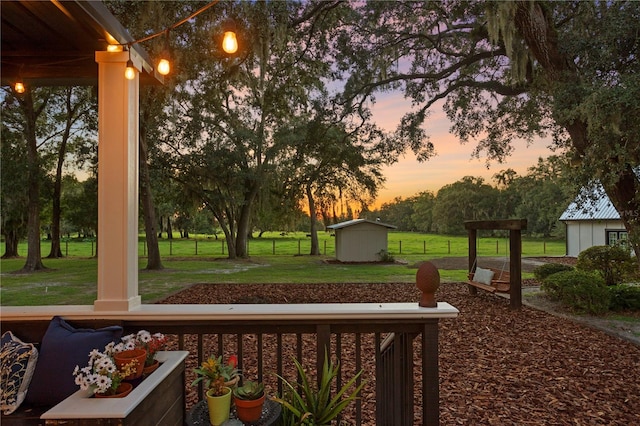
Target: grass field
72,280
297,243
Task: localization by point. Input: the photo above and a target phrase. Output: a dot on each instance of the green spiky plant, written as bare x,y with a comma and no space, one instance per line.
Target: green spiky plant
313,405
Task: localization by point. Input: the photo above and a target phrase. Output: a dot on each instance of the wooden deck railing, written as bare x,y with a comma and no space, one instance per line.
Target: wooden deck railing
395,344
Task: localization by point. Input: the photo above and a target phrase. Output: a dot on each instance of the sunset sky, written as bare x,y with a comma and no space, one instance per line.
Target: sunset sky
453,161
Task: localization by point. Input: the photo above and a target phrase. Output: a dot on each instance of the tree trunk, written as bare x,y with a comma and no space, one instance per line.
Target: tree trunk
537,29
169,229
623,196
315,247
244,221
154,262
10,244
34,253
243,231
56,251
228,234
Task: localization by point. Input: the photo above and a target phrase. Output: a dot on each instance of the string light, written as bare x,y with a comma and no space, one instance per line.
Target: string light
19,87
229,41
130,71
164,66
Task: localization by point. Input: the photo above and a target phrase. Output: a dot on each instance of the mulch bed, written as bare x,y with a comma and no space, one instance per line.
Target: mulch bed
497,366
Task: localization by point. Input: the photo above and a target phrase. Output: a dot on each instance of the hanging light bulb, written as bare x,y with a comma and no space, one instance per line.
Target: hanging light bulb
164,66
130,71
229,41
19,87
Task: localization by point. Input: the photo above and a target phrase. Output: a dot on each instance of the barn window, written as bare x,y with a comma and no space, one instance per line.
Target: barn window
617,237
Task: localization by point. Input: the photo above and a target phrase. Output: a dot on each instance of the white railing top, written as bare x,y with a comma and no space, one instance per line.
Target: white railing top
239,312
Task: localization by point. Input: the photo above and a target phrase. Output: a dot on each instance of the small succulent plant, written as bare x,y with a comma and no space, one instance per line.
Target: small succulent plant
249,390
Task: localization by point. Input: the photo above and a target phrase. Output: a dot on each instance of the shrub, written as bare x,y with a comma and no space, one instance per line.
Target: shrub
386,257
611,262
624,297
579,290
543,271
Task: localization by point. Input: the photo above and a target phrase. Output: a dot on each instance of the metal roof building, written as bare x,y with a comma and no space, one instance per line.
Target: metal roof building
595,222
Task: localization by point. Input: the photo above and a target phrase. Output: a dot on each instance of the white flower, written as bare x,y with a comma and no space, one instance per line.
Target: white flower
84,384
103,383
128,337
102,364
129,345
144,336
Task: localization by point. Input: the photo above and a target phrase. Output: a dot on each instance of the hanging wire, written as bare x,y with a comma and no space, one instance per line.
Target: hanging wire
177,24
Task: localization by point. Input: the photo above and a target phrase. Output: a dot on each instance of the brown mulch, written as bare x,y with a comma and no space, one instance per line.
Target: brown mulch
497,366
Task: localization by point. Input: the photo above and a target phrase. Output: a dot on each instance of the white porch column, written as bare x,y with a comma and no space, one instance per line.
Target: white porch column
117,185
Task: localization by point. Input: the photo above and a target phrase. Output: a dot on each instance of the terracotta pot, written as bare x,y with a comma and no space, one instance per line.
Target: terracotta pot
122,391
125,357
151,368
219,407
249,410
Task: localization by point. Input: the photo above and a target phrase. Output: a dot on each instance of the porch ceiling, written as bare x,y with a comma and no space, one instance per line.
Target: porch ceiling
53,43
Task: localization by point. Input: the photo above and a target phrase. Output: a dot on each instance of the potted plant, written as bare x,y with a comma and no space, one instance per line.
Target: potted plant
305,403
103,377
218,379
151,343
249,399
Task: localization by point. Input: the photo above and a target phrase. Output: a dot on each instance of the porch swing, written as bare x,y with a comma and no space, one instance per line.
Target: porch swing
492,279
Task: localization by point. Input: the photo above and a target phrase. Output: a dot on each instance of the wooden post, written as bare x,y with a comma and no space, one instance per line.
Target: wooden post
515,269
472,256
515,227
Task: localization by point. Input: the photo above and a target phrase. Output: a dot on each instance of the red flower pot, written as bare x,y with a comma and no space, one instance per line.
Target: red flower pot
125,357
249,410
151,368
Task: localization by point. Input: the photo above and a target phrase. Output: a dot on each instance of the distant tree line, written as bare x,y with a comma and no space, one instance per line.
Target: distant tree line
540,197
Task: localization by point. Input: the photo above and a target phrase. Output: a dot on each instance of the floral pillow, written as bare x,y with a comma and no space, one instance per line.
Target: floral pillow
18,362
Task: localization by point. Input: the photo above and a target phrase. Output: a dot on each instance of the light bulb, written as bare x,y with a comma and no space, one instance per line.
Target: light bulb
129,71
164,67
230,42
19,87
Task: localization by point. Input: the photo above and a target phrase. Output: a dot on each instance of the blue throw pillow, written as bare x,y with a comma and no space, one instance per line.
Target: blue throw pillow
17,363
62,348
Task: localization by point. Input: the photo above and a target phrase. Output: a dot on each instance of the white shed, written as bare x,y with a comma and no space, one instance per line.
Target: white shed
594,223
360,240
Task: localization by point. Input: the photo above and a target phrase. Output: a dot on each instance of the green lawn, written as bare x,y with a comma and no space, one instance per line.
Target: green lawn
297,243
72,280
